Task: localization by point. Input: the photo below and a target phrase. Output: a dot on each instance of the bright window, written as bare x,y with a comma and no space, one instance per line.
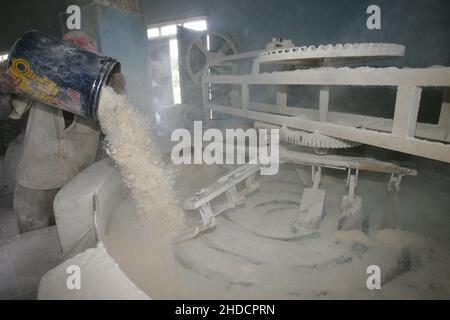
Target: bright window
198,25
153,33
169,28
168,31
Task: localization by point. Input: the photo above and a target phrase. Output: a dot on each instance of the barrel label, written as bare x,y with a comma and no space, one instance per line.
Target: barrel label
41,87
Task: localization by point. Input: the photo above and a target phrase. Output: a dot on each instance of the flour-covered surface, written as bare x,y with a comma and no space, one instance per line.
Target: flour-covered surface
94,264
253,252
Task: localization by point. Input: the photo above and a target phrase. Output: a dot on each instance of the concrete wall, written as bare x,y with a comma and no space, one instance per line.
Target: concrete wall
123,36
423,26
19,16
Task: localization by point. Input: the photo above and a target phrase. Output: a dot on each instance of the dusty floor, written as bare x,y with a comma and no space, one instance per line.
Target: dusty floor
253,253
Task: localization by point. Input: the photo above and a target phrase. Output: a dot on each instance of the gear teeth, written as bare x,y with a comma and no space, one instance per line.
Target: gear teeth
308,139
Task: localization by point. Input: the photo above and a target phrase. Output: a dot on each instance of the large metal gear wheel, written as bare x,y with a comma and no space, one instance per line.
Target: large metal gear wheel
349,51
200,43
308,139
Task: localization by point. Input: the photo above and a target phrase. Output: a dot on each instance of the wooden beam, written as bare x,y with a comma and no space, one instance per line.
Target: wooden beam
238,56
406,111
424,148
423,130
343,162
364,76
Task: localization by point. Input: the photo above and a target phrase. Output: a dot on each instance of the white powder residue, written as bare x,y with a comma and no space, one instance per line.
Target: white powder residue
134,149
387,238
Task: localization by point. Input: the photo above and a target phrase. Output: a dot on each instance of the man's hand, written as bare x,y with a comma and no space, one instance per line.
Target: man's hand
117,82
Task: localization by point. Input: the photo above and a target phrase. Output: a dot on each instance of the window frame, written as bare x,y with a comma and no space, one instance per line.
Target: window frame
178,22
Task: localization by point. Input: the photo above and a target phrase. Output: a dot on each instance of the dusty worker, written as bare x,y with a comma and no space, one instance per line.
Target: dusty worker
57,146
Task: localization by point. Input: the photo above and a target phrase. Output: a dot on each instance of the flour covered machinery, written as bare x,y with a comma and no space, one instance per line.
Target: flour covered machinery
319,128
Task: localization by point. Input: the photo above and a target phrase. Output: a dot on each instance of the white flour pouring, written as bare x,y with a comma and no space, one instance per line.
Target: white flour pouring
133,148
135,151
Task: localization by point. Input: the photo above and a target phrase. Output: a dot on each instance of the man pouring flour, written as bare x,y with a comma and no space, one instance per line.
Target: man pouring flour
57,146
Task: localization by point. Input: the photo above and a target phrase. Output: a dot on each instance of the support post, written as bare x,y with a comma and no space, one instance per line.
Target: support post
324,100
205,98
444,117
406,111
245,97
282,97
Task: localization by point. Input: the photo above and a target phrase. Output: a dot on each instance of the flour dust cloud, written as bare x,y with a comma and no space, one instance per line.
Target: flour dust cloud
133,148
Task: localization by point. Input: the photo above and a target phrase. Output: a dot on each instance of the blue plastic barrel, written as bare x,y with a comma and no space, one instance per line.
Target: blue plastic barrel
59,73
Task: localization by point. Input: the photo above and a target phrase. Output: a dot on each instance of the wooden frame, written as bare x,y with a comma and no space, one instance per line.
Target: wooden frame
402,133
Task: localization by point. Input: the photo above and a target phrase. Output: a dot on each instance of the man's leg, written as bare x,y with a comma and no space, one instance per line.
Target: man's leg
34,208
